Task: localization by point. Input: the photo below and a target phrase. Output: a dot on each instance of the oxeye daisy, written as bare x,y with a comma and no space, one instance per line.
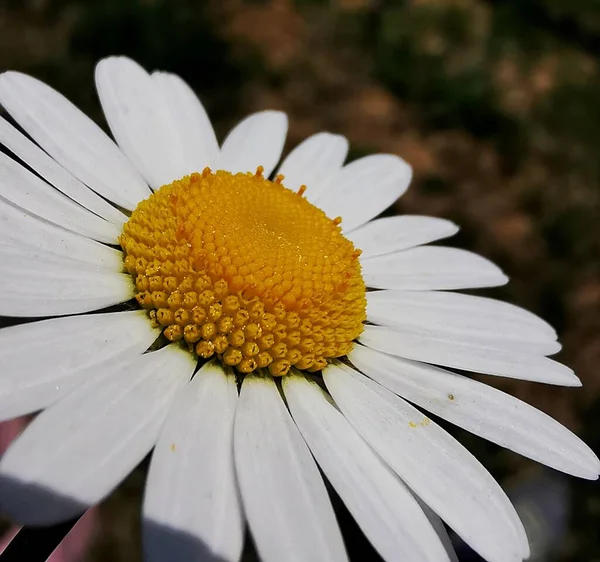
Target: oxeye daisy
272,326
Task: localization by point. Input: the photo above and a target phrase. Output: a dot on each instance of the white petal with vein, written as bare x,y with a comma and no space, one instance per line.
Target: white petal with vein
72,139
30,261
43,361
314,163
256,141
23,189
436,466
430,268
35,283
139,119
76,452
483,410
56,175
419,318
364,188
381,504
191,506
458,311
392,234
24,230
468,357
283,495
199,147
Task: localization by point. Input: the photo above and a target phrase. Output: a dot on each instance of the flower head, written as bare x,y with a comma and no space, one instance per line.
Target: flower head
249,346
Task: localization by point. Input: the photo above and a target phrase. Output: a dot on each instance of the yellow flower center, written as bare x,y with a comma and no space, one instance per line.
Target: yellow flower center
241,267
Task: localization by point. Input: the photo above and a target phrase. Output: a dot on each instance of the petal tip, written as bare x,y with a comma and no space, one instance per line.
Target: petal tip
281,116
453,228
115,61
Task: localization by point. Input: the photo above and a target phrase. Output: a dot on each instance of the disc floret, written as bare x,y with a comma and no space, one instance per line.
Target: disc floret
238,266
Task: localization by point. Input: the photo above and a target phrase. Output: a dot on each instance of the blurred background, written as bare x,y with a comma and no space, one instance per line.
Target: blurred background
495,103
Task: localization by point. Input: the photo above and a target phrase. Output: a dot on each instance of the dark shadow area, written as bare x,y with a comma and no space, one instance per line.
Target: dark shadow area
178,37
566,27
586,494
36,543
164,543
543,501
357,544
33,505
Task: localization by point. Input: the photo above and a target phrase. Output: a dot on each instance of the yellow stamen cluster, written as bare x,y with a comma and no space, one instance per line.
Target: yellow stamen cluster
241,267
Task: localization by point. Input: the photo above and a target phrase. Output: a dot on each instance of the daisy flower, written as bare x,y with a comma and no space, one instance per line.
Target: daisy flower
273,326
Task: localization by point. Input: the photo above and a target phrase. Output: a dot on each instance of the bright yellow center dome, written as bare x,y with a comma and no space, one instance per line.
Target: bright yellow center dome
242,267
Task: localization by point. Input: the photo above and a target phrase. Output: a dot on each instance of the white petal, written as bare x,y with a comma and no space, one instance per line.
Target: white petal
22,229
72,139
364,188
22,188
384,508
256,141
191,508
314,163
459,312
483,410
461,355
415,315
139,119
37,284
26,261
284,497
431,267
75,453
391,234
438,468
43,361
56,175
199,147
